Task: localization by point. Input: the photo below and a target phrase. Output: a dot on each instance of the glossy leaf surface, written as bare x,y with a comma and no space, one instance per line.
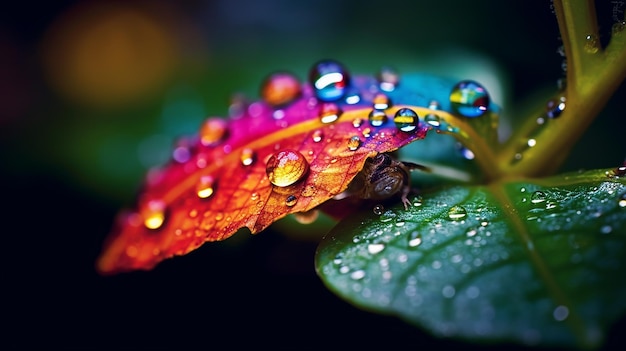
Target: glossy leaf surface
289,152
536,261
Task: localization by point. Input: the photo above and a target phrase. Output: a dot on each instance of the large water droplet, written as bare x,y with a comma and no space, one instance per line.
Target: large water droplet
280,89
555,107
387,78
377,118
381,101
205,187
286,167
469,99
247,157
406,120
537,197
457,213
329,112
354,143
153,213
329,79
213,131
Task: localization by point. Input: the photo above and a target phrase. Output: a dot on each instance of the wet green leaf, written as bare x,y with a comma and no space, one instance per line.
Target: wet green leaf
532,261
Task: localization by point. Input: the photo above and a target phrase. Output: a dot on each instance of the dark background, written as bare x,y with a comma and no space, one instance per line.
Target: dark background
70,158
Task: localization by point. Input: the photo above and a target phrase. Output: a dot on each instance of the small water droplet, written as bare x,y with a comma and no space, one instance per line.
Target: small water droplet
469,98
329,79
254,196
622,201
531,142
606,229
406,120
317,136
378,210
357,122
367,132
329,112
417,201
555,107
219,216
387,216
286,167
291,200
592,44
466,153
375,248
387,78
433,120
281,88
471,232
448,291
153,213
377,118
381,101
182,150
354,143
357,275
205,186
457,213
247,157
415,239
213,131
537,197
618,28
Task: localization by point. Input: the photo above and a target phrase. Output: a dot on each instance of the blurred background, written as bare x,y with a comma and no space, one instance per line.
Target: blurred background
93,93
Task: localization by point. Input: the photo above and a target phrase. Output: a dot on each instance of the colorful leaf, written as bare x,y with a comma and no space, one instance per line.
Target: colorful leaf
296,148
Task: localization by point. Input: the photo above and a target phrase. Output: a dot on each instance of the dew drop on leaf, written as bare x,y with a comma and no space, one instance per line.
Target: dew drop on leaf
433,120
537,197
381,101
406,120
317,136
280,89
378,210
387,78
375,248
555,107
309,190
457,212
205,187
291,200
286,167
367,132
417,201
387,216
415,239
469,99
377,118
354,143
592,44
213,131
357,122
153,213
247,157
329,79
329,112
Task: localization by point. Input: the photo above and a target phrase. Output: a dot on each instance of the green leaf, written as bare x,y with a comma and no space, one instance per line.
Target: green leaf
537,261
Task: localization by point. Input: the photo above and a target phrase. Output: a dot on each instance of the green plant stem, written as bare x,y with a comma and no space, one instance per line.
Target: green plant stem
593,74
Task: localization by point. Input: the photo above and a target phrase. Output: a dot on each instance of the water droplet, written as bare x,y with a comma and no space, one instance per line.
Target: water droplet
182,150
291,200
254,196
375,248
306,217
213,131
286,167
357,122
381,101
378,210
247,157
560,313
357,275
377,118
280,89
417,201
153,213
471,232
466,153
415,239
387,78
618,172
367,132
537,197
317,136
622,201
406,120
618,28
469,98
457,212
219,216
205,187
329,112
555,107
354,143
329,79
448,291
592,44
387,216
433,120
606,229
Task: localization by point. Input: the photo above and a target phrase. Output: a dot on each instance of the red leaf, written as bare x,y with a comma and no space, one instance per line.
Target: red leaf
287,153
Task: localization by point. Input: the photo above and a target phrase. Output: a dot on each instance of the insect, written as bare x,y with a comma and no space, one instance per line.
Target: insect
291,151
